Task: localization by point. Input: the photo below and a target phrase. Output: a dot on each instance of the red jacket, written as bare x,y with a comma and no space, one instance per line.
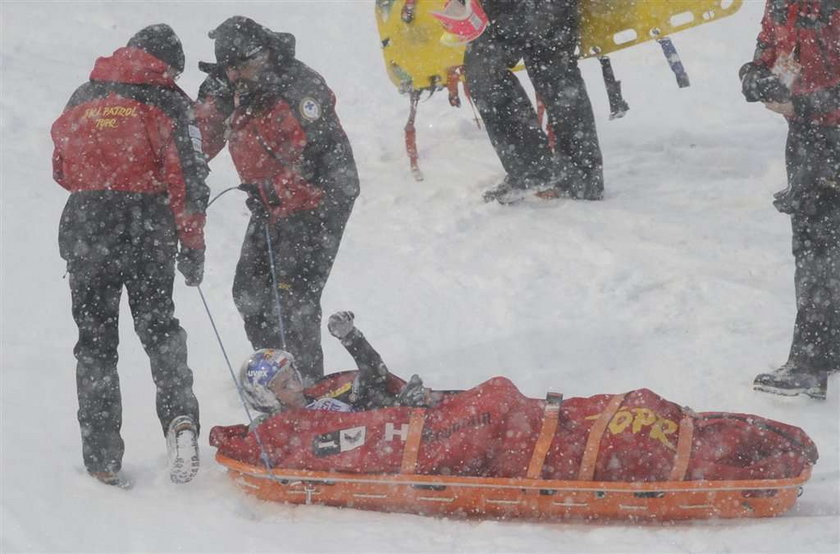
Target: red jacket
492,430
800,41
286,134
130,129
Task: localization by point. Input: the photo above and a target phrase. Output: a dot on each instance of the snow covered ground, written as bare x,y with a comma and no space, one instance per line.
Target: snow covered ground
679,281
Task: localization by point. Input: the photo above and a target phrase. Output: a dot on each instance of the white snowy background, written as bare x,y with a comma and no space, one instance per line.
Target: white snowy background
679,281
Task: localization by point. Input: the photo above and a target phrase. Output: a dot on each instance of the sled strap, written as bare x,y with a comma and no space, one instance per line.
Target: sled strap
453,77
683,454
551,414
412,443
411,136
674,61
593,442
618,107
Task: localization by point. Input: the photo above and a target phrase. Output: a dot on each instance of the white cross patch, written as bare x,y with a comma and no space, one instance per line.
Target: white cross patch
310,109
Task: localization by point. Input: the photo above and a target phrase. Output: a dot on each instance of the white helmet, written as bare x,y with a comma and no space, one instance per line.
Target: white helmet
257,373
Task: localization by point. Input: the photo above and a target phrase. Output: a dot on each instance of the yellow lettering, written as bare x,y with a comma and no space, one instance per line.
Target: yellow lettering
620,421
644,417
661,429
119,111
103,123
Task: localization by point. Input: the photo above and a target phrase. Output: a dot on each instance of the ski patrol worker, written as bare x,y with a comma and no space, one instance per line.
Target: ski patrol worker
796,73
128,150
279,120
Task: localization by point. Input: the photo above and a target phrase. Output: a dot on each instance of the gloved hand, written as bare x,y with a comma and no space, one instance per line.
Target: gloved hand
216,86
255,202
341,324
413,393
191,265
759,84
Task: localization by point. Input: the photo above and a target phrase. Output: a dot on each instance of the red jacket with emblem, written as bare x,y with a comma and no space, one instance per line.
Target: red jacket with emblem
800,42
130,130
285,136
492,430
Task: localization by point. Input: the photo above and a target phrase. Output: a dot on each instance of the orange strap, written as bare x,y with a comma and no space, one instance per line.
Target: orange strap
593,442
411,136
551,415
683,455
453,77
412,443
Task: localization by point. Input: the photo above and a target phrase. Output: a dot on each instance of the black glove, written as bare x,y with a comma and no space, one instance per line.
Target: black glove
759,84
191,265
255,202
216,86
341,324
413,393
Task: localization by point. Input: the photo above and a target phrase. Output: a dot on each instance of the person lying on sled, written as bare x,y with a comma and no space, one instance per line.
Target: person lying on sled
493,430
271,382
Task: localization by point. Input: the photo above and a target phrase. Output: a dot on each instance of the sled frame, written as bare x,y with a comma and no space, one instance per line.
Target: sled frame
520,498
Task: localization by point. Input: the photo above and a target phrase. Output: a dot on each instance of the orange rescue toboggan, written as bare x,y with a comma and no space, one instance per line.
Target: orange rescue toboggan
528,498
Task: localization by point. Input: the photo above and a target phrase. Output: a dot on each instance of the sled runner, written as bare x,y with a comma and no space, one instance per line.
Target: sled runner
520,498
416,60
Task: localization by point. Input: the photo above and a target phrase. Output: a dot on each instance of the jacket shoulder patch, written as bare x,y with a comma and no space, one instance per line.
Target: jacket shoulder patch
310,109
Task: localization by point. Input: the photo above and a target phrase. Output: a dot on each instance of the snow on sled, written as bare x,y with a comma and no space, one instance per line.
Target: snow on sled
492,452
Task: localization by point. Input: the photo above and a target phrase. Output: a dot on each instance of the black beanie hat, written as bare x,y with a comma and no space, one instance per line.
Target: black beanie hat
161,42
238,38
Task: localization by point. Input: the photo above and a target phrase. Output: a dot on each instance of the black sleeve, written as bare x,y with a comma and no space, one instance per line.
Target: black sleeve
808,106
370,388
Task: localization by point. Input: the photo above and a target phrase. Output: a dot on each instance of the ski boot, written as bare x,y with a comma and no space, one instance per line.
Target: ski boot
492,194
788,381
182,449
112,478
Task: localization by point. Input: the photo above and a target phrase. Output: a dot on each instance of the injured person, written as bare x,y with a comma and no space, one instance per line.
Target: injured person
369,421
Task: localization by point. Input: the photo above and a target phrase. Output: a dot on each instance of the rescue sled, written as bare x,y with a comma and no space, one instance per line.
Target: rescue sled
520,498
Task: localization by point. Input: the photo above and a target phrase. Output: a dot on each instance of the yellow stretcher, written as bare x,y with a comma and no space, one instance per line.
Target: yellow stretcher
416,60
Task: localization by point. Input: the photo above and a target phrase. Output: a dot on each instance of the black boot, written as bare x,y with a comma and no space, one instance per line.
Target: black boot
790,380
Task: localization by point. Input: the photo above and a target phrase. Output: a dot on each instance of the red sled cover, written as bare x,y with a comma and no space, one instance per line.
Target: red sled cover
494,431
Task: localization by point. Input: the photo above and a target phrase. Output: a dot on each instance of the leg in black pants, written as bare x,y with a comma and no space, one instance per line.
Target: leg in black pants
304,245
507,112
164,340
553,70
816,249
95,292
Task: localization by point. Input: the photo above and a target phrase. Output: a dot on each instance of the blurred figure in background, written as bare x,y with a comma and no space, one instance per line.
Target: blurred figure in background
796,73
544,34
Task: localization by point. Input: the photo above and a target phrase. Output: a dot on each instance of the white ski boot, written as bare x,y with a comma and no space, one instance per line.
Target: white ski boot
182,449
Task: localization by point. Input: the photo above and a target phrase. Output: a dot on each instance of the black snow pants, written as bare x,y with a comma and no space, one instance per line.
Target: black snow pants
813,201
304,246
113,240
544,36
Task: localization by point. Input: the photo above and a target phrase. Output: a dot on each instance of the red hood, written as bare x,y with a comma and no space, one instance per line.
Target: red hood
132,66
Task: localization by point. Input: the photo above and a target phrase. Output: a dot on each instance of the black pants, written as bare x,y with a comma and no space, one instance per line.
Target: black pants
304,246
813,202
509,116
114,241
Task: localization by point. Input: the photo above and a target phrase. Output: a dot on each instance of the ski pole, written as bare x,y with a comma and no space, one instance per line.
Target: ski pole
275,286
263,453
